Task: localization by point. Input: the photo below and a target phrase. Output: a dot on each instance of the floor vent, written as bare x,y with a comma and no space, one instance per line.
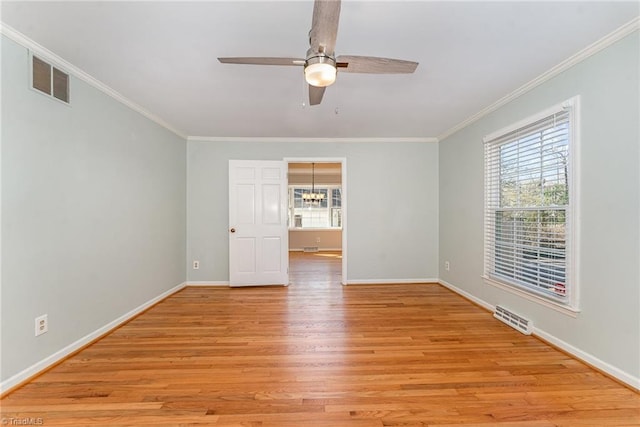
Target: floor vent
310,249
516,322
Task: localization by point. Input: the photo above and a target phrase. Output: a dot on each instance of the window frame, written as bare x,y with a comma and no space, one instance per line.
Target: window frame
329,188
571,305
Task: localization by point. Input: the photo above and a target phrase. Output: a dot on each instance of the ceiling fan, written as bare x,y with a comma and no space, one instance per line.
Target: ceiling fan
321,64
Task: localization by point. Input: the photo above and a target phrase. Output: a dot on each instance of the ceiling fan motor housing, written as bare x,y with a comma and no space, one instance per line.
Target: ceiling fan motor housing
320,69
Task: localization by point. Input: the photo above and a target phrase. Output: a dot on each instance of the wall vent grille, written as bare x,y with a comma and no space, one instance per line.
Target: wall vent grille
516,322
49,80
310,249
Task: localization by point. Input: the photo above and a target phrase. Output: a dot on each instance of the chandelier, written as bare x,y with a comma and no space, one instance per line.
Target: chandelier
313,198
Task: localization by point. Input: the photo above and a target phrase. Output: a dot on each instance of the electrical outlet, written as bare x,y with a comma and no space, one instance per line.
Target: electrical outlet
196,265
42,324
447,266
317,240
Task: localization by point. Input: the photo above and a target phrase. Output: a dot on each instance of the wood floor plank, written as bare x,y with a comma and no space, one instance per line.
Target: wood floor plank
319,354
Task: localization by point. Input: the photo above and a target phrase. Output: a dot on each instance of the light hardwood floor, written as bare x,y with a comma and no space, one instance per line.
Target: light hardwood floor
320,354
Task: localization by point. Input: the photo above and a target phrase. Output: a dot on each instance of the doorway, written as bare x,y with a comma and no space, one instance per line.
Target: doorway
317,220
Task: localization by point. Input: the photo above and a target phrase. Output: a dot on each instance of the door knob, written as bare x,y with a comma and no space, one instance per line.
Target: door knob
233,230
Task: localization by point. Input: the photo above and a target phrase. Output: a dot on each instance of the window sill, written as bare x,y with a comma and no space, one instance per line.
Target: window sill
559,307
314,229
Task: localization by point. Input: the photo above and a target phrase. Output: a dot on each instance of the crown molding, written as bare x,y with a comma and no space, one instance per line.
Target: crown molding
61,63
66,66
606,41
305,139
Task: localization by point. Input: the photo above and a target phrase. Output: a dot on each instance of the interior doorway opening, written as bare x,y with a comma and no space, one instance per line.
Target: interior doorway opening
316,221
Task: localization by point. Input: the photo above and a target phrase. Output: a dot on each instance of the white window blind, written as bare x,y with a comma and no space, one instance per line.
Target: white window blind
527,206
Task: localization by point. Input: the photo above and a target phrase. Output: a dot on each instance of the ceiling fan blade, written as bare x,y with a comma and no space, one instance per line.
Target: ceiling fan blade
315,94
374,65
324,26
258,60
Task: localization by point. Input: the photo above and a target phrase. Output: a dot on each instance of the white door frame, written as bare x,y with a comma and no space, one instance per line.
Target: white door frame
343,163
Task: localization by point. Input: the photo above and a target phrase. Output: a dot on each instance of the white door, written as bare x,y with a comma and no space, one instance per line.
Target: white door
258,231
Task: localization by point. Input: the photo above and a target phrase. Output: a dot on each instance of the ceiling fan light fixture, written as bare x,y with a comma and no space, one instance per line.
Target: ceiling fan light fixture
320,63
320,71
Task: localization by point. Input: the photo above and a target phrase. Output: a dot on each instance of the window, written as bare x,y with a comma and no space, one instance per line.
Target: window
326,214
49,80
529,206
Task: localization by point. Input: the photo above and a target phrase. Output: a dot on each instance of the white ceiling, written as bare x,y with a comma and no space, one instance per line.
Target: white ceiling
162,56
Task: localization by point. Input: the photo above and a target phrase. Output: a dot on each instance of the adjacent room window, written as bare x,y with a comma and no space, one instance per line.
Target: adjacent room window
49,80
529,205
326,214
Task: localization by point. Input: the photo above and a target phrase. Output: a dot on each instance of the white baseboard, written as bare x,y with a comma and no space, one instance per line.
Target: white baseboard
389,281
38,367
48,361
204,283
467,295
616,373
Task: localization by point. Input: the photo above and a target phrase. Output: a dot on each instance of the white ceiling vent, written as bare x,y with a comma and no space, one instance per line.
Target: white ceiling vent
516,322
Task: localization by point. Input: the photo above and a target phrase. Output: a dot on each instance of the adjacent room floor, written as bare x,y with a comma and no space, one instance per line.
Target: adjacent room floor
320,354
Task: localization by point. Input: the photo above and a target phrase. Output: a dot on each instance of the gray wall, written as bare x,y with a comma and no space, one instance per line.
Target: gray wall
392,212
324,240
608,326
93,213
